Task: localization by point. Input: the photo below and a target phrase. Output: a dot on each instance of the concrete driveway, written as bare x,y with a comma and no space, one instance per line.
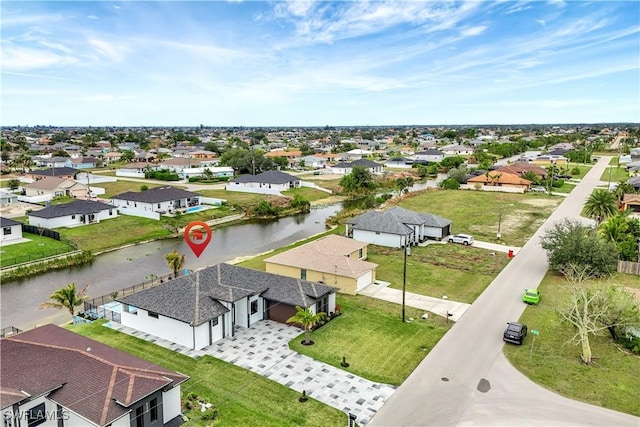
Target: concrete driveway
466,380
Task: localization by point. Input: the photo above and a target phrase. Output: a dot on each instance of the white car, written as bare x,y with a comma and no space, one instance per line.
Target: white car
538,190
465,239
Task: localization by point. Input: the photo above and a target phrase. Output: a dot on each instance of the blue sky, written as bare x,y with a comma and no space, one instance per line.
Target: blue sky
308,63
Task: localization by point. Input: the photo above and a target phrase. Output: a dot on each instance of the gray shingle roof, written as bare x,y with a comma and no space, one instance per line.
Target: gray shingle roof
194,299
396,220
156,195
77,207
55,172
366,163
268,177
8,222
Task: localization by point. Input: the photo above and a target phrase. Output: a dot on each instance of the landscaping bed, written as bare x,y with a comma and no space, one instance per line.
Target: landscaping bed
240,397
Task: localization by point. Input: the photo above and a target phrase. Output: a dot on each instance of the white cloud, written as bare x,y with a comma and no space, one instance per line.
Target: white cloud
20,59
541,22
473,31
93,17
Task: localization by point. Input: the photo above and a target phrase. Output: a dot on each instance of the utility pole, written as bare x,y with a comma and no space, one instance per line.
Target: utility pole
407,251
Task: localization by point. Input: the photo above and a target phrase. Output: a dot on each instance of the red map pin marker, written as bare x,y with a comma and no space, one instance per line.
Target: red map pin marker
197,239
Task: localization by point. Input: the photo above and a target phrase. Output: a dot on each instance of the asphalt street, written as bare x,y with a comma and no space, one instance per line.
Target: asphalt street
466,380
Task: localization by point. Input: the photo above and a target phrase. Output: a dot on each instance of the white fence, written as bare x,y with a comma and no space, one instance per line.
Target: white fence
254,190
136,212
130,174
314,185
212,201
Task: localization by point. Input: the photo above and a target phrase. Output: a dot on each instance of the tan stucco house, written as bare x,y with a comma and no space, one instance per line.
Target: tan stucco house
333,260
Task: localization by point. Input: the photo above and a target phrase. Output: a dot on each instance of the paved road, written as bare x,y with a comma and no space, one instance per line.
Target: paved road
444,389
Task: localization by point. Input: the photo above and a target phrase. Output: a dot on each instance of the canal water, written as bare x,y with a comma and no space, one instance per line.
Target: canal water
128,266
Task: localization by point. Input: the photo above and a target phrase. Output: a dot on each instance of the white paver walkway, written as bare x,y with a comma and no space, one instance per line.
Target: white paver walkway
264,349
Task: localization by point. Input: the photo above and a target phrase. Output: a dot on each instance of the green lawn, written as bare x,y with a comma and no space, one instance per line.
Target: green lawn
114,232
372,337
478,212
459,272
617,174
583,170
233,197
39,247
611,381
241,397
310,194
567,187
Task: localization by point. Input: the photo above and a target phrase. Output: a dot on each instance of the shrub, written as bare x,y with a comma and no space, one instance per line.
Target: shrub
558,183
450,184
210,414
575,171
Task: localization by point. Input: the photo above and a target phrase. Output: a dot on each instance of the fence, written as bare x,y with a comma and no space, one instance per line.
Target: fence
9,331
40,231
8,261
104,307
629,267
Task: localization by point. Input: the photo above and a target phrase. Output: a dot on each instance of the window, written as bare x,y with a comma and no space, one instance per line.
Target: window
73,217
6,231
377,233
158,205
254,307
360,253
37,415
153,409
303,274
110,212
214,322
152,314
140,416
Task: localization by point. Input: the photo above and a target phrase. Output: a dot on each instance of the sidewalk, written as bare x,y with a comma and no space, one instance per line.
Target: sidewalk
439,306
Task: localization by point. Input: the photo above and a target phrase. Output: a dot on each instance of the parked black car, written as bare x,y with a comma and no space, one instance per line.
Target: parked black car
515,333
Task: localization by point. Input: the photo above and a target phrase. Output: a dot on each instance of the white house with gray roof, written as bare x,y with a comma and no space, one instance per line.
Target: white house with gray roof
78,212
345,168
11,230
397,227
153,202
205,306
268,182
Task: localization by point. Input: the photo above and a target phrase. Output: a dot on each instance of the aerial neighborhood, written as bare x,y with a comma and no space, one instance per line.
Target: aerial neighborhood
367,245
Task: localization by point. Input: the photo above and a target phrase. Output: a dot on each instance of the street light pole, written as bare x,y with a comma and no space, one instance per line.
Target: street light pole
406,250
500,219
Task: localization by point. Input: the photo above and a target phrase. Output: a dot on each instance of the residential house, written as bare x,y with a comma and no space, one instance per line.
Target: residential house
634,182
55,187
346,168
397,227
334,260
136,169
155,201
431,156
399,162
215,171
203,307
268,182
78,212
84,162
35,175
456,150
11,230
112,156
7,198
52,162
631,202
293,156
500,179
54,377
355,154
314,161
549,159
177,164
520,168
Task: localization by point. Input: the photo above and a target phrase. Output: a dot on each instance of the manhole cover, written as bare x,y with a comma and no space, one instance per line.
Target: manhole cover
484,386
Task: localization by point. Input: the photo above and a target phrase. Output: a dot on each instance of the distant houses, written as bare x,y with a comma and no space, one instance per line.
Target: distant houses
269,182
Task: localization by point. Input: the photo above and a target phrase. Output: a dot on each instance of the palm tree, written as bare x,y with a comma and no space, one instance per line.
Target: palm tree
175,261
600,205
307,319
66,297
615,228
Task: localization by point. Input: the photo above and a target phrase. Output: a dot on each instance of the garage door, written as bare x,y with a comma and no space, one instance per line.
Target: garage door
279,312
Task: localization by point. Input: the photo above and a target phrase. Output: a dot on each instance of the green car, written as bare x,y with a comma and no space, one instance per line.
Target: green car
531,296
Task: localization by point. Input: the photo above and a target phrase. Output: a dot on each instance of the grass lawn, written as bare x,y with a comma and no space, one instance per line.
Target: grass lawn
114,232
241,397
372,337
233,197
617,174
567,187
583,170
39,247
119,187
611,381
478,212
329,184
459,272
310,194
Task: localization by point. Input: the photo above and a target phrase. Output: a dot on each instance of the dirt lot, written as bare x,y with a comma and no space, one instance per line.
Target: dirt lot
18,209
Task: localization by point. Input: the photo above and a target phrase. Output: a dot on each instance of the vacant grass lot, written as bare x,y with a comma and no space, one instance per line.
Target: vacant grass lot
119,187
478,212
233,197
617,174
114,232
241,397
310,194
372,337
39,247
459,272
611,381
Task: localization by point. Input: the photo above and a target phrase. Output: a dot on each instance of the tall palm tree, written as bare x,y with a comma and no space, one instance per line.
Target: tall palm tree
600,205
175,260
66,297
307,319
615,228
